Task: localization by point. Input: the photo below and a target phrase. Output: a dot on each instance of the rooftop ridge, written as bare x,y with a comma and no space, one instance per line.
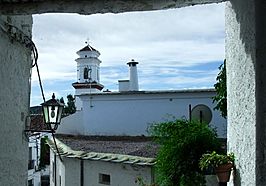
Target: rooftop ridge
66,151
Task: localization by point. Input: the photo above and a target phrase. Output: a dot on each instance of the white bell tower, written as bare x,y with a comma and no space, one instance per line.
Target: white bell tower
88,73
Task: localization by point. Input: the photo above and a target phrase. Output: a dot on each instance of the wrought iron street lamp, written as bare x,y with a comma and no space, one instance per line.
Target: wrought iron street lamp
52,113
52,109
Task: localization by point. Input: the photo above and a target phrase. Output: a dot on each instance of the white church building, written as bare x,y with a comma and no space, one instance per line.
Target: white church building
129,111
106,141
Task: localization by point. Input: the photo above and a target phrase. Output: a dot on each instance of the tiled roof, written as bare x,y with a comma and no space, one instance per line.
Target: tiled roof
36,110
87,48
128,150
37,123
128,145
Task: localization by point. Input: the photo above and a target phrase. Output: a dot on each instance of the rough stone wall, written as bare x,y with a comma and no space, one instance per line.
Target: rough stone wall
244,110
261,92
92,6
15,68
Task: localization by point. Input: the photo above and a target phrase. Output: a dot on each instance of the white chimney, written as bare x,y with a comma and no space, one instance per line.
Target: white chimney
123,85
133,76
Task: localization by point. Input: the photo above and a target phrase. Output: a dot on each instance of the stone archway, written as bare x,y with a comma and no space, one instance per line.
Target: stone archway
245,54
19,7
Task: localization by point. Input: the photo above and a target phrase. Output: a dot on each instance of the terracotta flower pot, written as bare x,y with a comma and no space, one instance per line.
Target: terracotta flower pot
223,172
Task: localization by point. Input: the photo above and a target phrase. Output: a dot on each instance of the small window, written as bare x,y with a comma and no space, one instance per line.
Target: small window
30,153
104,179
30,182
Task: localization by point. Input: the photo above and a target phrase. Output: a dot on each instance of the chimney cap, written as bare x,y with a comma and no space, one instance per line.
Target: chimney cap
132,63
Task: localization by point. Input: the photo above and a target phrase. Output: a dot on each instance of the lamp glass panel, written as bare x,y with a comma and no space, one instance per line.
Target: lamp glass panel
46,114
53,114
59,116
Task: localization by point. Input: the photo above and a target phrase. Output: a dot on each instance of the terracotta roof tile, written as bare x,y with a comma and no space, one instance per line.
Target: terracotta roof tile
68,152
126,145
87,48
37,123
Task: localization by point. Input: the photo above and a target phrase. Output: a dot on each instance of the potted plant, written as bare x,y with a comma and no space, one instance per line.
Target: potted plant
222,164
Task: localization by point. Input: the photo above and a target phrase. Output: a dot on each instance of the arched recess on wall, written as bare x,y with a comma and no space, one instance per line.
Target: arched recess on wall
86,73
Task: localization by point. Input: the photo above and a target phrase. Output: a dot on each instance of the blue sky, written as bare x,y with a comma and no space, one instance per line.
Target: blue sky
176,48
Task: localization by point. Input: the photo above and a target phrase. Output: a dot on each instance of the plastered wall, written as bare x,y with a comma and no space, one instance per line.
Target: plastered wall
14,103
246,89
132,114
120,174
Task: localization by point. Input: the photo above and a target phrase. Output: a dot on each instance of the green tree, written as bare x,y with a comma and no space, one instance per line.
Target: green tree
221,93
62,100
182,145
45,153
70,107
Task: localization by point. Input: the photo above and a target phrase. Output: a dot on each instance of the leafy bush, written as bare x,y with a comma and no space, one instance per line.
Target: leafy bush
182,145
214,160
221,92
140,182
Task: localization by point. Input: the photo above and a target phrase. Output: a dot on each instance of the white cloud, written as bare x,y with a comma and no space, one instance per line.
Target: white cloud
159,40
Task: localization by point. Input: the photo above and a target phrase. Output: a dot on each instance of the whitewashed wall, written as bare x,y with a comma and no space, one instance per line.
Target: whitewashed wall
33,174
15,60
132,113
69,171
72,171
72,124
120,174
57,175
